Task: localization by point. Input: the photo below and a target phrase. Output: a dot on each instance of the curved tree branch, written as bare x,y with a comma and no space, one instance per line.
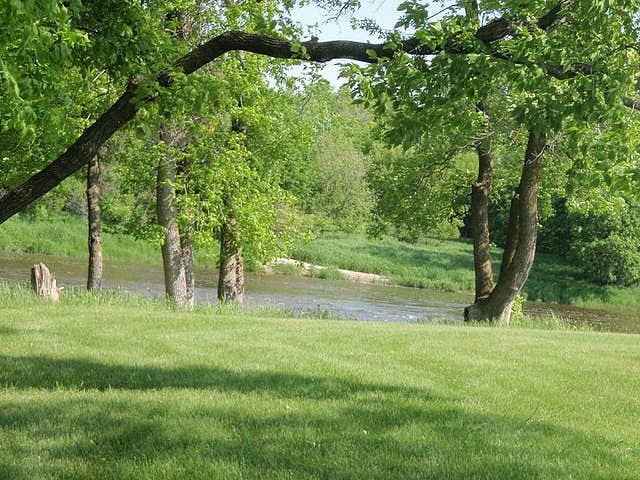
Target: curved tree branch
125,108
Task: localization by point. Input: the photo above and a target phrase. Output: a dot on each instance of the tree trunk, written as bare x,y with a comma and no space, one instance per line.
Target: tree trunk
94,274
480,192
497,306
186,244
231,276
512,235
189,273
174,271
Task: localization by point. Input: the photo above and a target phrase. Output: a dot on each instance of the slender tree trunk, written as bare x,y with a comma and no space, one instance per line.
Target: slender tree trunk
174,272
497,306
480,192
94,274
186,246
189,273
512,235
231,276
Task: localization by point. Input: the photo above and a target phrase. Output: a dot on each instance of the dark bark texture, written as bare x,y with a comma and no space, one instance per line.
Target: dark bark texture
125,108
94,274
497,306
480,195
512,235
480,192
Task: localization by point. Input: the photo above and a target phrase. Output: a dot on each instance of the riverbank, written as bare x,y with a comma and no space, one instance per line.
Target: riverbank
444,265
110,389
291,266
448,265
66,236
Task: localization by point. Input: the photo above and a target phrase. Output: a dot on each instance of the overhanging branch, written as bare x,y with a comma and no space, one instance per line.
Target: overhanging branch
125,108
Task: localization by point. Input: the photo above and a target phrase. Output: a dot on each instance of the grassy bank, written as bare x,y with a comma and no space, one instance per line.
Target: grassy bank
438,264
67,236
448,265
120,390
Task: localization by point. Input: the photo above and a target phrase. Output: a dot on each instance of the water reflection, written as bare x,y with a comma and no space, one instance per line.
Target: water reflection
338,298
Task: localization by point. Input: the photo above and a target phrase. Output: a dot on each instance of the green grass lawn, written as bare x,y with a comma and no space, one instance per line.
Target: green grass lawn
126,389
448,265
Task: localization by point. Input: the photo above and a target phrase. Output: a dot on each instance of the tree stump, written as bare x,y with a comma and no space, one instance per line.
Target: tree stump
43,282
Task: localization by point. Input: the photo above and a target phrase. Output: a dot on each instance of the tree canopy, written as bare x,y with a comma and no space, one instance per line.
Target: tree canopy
543,91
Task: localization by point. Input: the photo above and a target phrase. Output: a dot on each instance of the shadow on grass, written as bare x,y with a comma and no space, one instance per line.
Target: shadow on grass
79,374
315,427
7,331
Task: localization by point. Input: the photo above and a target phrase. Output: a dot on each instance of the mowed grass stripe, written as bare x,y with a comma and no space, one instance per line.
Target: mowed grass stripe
140,391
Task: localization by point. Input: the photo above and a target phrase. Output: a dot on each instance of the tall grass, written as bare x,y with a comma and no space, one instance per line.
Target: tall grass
548,322
66,235
21,296
16,295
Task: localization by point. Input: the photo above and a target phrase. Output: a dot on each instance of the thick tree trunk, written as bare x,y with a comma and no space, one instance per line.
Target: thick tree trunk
94,274
174,272
480,192
497,306
231,276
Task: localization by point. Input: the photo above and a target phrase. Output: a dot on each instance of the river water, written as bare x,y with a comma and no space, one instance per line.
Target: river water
337,298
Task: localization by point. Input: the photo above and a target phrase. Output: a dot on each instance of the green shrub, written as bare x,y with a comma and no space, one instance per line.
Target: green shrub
611,260
328,273
293,270
517,310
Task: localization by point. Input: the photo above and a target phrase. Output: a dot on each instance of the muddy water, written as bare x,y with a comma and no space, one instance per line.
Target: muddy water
338,298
